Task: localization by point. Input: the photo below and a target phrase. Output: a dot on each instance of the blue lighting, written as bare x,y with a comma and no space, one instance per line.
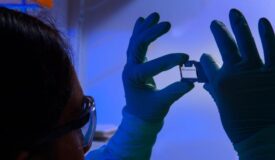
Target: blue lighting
23,7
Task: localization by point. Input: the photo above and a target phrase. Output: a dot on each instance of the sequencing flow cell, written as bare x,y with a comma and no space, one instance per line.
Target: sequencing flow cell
192,71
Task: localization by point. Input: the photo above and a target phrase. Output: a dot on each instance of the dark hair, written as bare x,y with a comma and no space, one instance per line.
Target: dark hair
35,78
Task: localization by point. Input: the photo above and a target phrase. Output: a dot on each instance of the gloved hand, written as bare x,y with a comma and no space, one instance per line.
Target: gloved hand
143,99
243,88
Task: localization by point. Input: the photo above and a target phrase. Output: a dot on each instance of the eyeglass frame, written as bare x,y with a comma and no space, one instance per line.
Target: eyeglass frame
87,112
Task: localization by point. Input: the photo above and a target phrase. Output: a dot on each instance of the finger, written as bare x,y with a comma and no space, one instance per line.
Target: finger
151,83
150,21
209,88
226,43
156,66
155,32
244,39
174,91
268,41
209,66
138,25
138,46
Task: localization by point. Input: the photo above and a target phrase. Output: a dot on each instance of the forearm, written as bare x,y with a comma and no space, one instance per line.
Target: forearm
134,140
259,146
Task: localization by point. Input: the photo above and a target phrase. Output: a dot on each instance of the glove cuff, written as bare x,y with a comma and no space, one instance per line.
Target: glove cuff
134,138
140,124
259,146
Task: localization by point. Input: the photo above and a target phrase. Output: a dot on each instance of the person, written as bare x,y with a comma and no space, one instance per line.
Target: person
45,108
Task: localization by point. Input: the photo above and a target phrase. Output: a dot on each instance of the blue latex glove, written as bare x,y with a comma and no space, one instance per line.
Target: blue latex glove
243,88
143,99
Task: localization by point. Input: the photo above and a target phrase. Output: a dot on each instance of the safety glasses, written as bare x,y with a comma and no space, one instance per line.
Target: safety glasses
88,130
86,122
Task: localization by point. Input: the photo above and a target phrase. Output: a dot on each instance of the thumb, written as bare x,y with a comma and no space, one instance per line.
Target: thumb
174,91
210,67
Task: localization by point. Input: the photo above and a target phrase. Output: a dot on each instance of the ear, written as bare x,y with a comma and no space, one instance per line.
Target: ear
23,155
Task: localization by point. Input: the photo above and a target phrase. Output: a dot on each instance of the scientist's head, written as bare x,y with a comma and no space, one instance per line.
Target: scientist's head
43,109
